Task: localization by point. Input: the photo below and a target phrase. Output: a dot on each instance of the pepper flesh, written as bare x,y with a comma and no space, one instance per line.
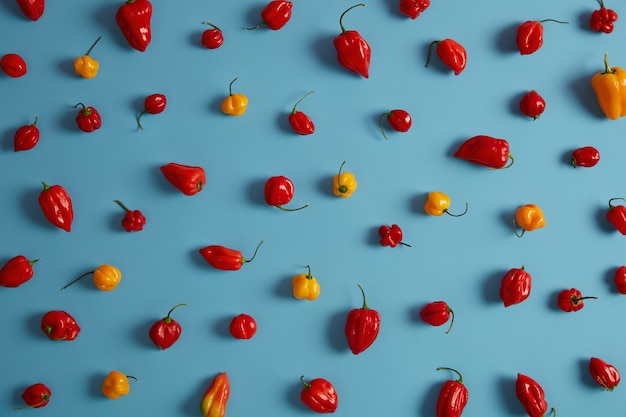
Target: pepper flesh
16,271
305,286
242,326
134,20
610,90
56,204
115,385
215,398
344,183
362,327
453,397
602,19
353,52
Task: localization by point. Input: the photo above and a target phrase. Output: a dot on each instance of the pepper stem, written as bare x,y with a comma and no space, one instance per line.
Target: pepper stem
342,188
607,68
35,121
306,384
451,321
44,399
254,254
132,377
553,20
293,209
509,165
230,87
119,203
460,380
76,280
457,215
92,45
308,274
576,300
365,307
611,206
167,318
298,102
515,230
380,123
47,187
430,47
343,29
212,25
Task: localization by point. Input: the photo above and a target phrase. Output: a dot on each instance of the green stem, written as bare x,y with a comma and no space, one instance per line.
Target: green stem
457,215
343,29
365,307
76,280
255,251
460,380
212,25
92,45
298,102
119,203
430,47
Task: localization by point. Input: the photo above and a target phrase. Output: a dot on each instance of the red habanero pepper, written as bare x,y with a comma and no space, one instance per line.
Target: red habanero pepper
571,300
242,326
13,65
532,104
26,137
32,9
391,236
36,396
216,397
617,216
187,179
226,259
279,191
530,35
275,15
353,52
515,286
451,53
531,395
602,19
437,313
88,119
133,18
453,396
413,8
620,279
134,220
319,395
399,120
486,151
59,325
587,156
212,38
605,375
56,204
299,121
362,326
153,104
16,271
165,332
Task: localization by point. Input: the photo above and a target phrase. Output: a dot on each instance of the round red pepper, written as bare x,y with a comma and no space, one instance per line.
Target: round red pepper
453,396
399,120
451,53
362,327
275,15
530,35
353,52
59,325
571,300
319,395
587,156
413,8
165,332
32,9
486,151
515,286
531,395
279,191
617,216
26,137
16,271
153,104
36,396
602,19
134,220
620,279
437,313
605,375
299,121
188,179
391,236
212,38
56,204
221,257
88,119
13,65
243,326
532,104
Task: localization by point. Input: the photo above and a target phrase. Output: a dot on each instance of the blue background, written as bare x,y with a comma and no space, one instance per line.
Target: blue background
459,260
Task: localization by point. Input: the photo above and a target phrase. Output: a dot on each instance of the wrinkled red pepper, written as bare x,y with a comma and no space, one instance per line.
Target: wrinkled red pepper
13,65
587,156
605,375
153,104
451,53
32,9
453,396
531,395
319,395
88,119
413,8
617,216
362,327
165,332
275,15
299,121
399,120
571,300
187,179
486,151
56,204
36,396
391,236
59,325
530,35
437,313
133,220
353,52
515,286
279,191
620,279
134,19
602,19
16,271
26,137
221,257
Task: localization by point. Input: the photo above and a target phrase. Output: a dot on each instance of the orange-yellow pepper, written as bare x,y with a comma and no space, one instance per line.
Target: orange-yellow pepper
529,217
437,203
86,66
610,89
234,104
214,401
344,183
105,277
305,286
116,385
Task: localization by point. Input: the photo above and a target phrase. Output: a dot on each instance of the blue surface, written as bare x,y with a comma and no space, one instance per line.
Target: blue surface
459,260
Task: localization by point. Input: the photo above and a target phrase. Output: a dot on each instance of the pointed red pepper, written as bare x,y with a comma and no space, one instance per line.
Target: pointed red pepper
134,19
275,15
515,286
617,216
453,396
56,204
486,151
362,327
59,325
451,53
437,313
16,271
165,332
605,375
26,137
319,395
221,257
188,179
353,52
531,395
32,9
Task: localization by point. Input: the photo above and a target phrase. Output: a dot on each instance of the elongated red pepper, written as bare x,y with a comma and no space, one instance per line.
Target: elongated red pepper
453,396
531,395
530,35
187,179
26,137
451,53
59,325
362,327
134,19
221,257
486,151
13,65
353,52
16,271
605,375
32,9
319,395
216,397
587,157
515,286
275,15
617,216
56,204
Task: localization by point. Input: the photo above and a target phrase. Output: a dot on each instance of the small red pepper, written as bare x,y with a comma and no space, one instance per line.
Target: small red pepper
212,38
617,216
319,395
362,327
571,300
486,151
56,204
32,9
275,15
399,120
36,396
530,35
153,104
221,257
413,8
587,156
602,19
16,271
620,279
26,137
187,179
531,395
88,119
13,65
515,286
605,375
242,326
59,325
532,104
353,52
451,53
134,220
453,396
279,191
299,121
437,313
134,18
165,332
391,236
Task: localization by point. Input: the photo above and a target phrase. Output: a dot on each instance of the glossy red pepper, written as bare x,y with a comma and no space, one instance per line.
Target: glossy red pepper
299,121
532,104
26,137
59,325
56,204
133,220
620,279
13,65
134,19
530,35
571,300
451,53
16,271
399,120
603,19
242,326
187,179
165,332
391,236
275,15
515,286
453,396
437,313
221,257
212,38
153,104
605,375
36,396
279,191
617,216
319,395
362,327
486,151
88,119
587,156
353,52
531,395
413,8
32,9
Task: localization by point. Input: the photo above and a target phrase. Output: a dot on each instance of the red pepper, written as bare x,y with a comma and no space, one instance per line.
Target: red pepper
515,286
413,8
391,236
451,53
13,65
153,104
133,18
530,35
275,15
134,220
571,300
59,325
16,271
319,395
602,19
531,395
605,375
279,191
56,205
437,313
243,326
399,120
32,9
165,332
532,104
353,52
587,156
617,216
26,137
186,178
362,326
88,119
299,121
221,257
36,396
620,279
212,38
486,151
453,396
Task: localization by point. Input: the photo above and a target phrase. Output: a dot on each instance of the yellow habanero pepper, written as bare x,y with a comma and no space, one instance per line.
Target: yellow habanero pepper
437,204
610,89
116,385
105,277
215,399
234,104
86,66
529,217
305,286
344,183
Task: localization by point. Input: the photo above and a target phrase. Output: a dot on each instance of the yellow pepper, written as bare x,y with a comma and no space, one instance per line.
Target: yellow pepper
610,89
214,402
86,66
529,217
305,286
344,183
234,104
437,203
105,277
116,385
